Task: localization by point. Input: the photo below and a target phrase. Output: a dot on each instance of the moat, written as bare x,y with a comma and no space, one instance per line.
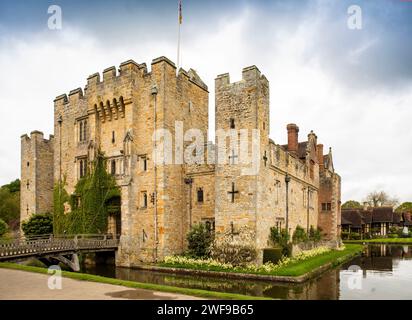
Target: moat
382,272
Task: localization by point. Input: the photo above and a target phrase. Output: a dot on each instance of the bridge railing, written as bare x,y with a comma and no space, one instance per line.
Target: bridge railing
26,246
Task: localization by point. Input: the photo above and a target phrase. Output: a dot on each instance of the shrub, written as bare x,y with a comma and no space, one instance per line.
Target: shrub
272,255
3,228
38,224
199,241
367,236
345,235
354,236
315,234
392,235
299,235
280,238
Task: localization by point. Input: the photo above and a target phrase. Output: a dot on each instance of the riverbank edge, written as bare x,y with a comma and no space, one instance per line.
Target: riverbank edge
403,241
136,285
254,276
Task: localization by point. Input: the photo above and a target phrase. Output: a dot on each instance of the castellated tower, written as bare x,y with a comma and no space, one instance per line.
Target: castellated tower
119,114
36,193
242,108
329,196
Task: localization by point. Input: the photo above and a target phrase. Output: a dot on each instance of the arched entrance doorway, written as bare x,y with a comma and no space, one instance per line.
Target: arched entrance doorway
114,225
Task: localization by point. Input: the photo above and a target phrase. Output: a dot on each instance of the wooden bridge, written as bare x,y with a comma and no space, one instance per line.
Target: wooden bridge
51,249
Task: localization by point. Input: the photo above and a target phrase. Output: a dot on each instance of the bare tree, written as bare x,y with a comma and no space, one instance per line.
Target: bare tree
381,199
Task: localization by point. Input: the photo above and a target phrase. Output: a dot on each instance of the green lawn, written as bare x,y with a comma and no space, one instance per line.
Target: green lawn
137,285
295,269
383,240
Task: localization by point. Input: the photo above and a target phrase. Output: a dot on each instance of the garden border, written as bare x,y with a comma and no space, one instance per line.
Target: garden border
252,276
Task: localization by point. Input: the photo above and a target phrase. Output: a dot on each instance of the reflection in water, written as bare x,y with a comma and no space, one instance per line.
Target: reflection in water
385,273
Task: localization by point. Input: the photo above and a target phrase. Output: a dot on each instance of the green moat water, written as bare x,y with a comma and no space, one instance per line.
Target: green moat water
382,272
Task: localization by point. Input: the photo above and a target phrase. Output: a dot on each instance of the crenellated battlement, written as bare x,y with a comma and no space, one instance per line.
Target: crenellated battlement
128,71
249,75
36,135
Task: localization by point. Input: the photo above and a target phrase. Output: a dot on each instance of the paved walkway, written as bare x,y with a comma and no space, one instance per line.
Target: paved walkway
22,285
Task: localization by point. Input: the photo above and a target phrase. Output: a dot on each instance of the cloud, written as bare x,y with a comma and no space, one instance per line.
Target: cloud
352,89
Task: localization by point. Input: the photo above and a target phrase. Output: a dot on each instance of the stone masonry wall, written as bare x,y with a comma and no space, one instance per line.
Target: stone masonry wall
36,193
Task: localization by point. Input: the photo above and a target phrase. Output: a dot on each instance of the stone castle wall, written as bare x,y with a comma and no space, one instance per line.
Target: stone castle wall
118,114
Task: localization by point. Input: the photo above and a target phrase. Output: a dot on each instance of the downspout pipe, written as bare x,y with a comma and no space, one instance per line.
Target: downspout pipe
154,92
287,180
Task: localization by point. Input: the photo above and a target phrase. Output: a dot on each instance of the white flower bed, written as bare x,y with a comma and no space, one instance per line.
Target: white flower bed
267,267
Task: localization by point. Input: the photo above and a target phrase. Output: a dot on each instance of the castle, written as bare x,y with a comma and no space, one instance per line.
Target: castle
294,184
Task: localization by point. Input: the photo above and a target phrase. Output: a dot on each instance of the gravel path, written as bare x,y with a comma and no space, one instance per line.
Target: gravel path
22,285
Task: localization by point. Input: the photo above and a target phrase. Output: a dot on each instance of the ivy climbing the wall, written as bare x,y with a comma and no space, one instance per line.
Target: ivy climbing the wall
86,210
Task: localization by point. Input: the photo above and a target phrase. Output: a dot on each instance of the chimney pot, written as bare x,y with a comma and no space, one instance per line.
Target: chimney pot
293,137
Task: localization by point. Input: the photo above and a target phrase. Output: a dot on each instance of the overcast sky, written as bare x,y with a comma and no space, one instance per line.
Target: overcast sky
352,87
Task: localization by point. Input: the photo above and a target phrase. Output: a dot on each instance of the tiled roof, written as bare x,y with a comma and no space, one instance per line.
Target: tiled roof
353,217
358,217
366,216
301,149
384,214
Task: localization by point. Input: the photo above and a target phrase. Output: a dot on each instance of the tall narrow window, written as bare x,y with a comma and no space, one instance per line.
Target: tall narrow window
85,131
143,162
81,168
200,195
232,123
81,131
113,137
144,199
113,167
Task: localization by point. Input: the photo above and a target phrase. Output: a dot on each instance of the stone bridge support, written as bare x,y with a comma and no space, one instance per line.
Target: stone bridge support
71,260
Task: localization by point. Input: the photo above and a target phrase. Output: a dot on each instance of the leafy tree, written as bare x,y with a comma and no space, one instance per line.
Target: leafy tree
13,186
351,204
3,228
199,240
404,207
38,224
10,206
381,199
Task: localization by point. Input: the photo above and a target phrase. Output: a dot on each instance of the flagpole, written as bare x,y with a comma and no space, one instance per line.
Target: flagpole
179,33
178,49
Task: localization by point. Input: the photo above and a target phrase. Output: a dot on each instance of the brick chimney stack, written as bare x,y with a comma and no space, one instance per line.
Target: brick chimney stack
293,135
320,155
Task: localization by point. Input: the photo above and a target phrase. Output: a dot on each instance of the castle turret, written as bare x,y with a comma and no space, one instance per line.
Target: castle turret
36,193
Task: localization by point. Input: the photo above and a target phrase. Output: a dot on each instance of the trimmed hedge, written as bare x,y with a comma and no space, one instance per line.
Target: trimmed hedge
272,255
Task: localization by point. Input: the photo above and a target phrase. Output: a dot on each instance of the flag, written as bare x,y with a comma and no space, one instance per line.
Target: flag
180,12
